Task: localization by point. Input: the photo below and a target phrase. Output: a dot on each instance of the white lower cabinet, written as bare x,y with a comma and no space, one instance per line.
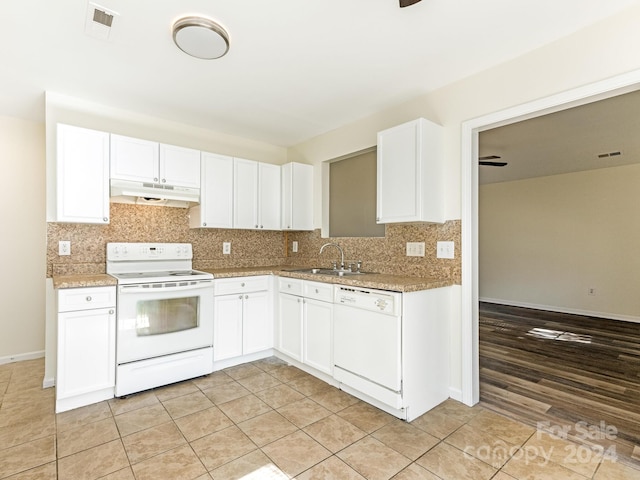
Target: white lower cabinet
243,322
305,322
86,346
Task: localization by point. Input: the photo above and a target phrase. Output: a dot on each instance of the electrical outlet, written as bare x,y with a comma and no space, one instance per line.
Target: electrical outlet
415,249
294,246
445,250
64,247
226,248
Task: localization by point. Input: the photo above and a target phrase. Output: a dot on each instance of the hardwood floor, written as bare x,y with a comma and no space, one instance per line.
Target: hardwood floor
579,376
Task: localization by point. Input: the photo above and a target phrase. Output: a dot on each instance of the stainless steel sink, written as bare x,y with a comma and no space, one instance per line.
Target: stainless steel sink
327,271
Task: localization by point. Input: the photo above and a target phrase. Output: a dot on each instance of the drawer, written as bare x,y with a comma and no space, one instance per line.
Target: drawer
70,299
318,291
228,286
290,285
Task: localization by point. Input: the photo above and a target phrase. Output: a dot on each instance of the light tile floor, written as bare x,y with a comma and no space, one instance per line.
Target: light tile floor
267,420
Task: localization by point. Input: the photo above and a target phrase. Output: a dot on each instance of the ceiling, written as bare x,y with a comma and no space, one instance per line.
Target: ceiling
567,141
295,68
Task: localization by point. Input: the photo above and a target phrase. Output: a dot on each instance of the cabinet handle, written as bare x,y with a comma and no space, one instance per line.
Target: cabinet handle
242,284
246,296
105,219
204,224
261,226
164,180
240,297
155,179
88,298
256,226
317,291
112,311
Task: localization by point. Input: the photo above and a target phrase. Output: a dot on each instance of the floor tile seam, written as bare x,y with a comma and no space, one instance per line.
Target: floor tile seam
131,465
118,427
186,442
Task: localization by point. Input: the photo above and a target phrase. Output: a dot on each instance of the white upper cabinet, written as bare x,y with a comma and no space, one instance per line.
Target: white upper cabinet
297,196
140,160
269,196
216,193
411,173
82,176
256,195
179,166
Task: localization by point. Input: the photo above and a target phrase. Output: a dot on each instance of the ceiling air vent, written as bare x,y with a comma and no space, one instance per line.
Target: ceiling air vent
99,21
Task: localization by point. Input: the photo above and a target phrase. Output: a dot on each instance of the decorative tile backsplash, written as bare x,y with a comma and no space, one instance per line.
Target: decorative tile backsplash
137,223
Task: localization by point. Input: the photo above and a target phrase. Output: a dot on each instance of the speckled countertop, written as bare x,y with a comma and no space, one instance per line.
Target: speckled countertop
77,281
396,283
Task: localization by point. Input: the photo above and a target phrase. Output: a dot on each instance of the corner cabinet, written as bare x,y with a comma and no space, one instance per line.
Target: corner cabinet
86,366
297,196
410,173
82,176
242,322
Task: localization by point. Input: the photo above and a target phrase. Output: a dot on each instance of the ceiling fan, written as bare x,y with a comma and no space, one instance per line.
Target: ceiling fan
407,3
490,161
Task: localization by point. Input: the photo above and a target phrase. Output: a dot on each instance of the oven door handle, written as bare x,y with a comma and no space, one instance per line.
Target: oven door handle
170,287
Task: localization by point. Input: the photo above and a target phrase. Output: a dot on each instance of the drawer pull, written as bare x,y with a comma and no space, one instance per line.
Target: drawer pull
242,284
317,291
88,298
112,311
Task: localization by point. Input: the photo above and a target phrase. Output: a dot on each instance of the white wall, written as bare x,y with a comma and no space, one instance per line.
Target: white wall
22,244
590,55
545,241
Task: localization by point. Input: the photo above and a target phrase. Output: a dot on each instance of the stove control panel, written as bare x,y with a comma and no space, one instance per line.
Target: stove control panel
148,251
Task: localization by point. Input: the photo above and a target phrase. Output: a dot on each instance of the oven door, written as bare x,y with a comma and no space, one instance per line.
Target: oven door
156,319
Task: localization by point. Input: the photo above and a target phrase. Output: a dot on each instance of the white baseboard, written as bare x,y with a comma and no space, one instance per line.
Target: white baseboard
555,308
455,394
21,357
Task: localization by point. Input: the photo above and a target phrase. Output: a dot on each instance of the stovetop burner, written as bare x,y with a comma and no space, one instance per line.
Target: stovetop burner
151,262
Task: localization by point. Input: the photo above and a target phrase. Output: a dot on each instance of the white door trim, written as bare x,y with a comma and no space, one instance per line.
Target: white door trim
469,182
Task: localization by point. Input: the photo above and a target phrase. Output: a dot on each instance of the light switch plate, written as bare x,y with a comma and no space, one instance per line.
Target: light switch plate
294,246
415,249
445,250
226,248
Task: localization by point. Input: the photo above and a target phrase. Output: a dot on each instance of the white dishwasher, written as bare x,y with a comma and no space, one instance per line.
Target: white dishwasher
368,342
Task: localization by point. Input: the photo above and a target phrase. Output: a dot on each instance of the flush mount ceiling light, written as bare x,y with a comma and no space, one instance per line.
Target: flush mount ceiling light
200,37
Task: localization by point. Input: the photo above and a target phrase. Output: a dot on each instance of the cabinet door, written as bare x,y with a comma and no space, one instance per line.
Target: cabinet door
245,193
134,159
86,352
227,327
297,196
290,326
269,196
411,173
318,335
82,176
257,323
399,174
216,193
179,166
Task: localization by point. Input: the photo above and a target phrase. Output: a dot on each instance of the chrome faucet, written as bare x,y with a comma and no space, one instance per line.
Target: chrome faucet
341,253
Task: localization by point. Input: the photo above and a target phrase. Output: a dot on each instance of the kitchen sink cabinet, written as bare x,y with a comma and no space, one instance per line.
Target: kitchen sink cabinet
305,322
81,176
243,323
256,195
86,363
140,160
410,173
297,196
216,193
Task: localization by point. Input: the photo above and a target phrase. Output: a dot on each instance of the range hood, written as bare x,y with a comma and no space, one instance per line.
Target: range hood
142,193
